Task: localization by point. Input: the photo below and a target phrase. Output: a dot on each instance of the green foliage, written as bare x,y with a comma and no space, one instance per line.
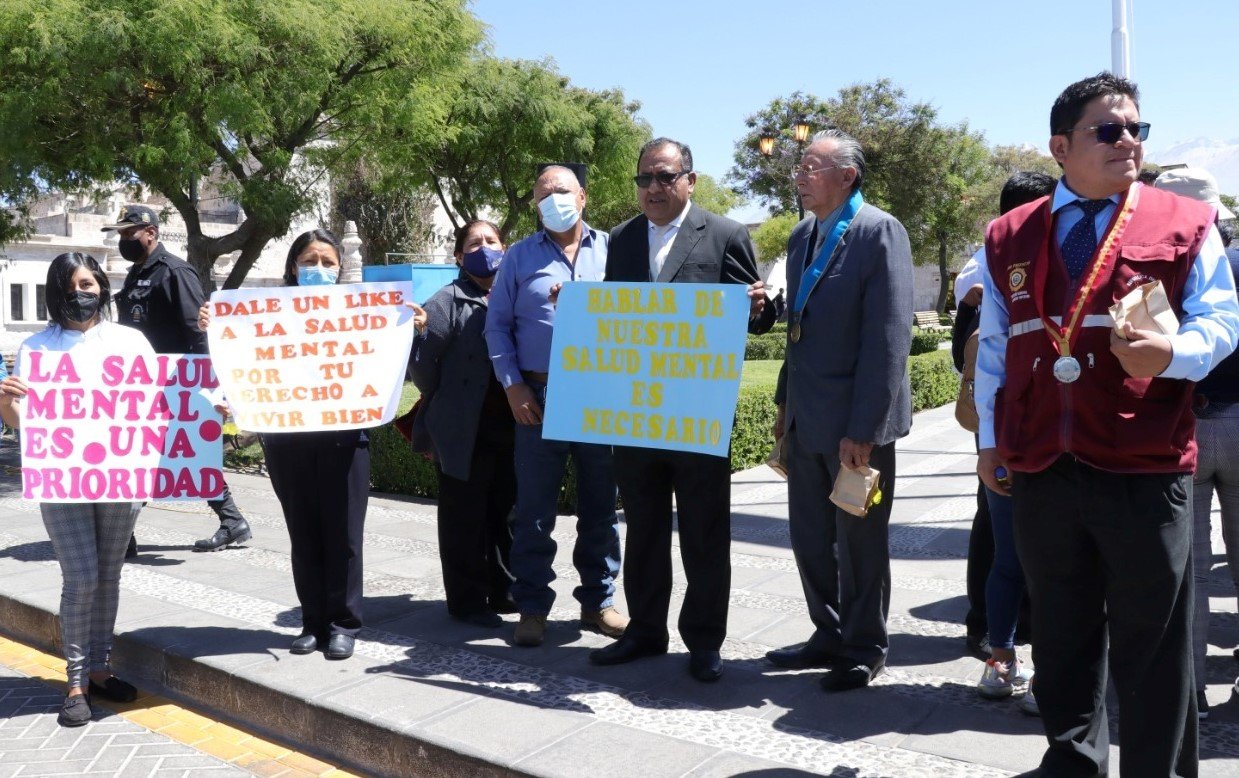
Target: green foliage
925,341
752,435
163,93
509,116
391,217
768,346
934,381
770,239
710,195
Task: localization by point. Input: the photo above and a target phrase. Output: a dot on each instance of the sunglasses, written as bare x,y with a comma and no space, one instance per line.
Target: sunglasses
1110,132
643,180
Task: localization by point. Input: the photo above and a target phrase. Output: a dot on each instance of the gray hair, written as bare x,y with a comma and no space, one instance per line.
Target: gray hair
848,152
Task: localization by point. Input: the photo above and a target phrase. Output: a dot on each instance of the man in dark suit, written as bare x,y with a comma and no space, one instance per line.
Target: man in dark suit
843,399
675,241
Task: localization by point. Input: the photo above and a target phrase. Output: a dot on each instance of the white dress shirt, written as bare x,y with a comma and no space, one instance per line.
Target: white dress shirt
661,240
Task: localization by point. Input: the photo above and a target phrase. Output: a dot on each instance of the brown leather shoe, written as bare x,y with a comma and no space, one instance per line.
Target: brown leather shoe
531,630
608,621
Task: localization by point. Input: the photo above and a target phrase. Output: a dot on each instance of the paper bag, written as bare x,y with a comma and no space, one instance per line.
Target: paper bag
777,461
856,490
1146,308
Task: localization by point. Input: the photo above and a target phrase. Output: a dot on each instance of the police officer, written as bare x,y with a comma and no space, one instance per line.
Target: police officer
161,297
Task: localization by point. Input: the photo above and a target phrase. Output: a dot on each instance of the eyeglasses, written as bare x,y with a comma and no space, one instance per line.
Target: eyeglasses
801,170
666,178
1110,132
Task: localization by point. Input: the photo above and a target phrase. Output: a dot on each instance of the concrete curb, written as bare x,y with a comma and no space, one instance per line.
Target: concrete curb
303,724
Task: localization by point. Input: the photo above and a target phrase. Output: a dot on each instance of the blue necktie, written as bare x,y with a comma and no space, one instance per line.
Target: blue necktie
1081,239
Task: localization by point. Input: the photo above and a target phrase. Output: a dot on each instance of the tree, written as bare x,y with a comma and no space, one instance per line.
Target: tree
770,239
390,216
954,216
1005,161
712,196
511,115
264,96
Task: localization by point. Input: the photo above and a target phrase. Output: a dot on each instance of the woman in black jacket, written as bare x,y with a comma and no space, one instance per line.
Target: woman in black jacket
470,425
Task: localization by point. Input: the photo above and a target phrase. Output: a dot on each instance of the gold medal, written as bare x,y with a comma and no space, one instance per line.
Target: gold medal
794,333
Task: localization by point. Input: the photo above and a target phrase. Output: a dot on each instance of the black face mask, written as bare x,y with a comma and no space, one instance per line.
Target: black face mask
131,249
81,307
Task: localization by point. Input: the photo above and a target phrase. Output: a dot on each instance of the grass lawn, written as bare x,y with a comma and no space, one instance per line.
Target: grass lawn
761,372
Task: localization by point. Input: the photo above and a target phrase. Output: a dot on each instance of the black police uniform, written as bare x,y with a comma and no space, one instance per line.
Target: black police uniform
161,298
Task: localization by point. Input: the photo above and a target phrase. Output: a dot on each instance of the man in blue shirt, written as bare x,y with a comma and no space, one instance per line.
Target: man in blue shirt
518,335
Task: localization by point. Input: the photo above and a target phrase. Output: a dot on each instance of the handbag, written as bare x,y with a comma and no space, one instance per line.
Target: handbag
777,461
965,403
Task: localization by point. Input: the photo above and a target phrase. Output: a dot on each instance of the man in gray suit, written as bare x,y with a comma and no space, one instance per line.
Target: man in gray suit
843,399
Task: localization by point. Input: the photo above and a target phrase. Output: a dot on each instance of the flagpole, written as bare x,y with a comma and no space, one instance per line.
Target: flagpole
1120,45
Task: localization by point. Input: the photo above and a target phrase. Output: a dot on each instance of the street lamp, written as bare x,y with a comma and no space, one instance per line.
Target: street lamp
768,137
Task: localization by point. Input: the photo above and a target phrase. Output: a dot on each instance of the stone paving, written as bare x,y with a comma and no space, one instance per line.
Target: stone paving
32,743
419,677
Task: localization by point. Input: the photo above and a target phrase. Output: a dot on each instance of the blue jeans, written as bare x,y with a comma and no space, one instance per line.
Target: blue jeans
1217,470
540,467
1005,586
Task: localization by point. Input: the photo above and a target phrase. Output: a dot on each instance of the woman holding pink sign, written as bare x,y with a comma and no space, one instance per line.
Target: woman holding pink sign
89,538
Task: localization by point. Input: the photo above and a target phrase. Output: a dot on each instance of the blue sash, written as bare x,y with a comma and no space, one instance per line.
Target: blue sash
814,272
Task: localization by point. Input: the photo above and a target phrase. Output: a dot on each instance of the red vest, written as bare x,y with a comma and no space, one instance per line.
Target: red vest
1107,419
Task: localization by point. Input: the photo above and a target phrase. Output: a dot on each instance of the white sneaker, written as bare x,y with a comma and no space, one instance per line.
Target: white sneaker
1028,705
999,681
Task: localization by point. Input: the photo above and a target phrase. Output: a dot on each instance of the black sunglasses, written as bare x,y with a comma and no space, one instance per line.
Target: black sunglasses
1110,132
643,180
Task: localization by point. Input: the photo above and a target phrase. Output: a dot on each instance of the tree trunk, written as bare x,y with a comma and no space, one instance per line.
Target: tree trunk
944,279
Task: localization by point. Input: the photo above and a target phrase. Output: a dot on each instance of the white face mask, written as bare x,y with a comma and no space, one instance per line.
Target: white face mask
559,213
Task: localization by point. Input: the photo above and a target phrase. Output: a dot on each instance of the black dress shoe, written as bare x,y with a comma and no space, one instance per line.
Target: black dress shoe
131,550
503,605
705,666
340,646
484,618
113,689
306,644
74,711
801,658
978,646
851,676
227,534
626,649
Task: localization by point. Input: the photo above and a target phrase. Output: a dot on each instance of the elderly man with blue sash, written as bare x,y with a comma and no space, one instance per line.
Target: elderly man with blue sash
843,400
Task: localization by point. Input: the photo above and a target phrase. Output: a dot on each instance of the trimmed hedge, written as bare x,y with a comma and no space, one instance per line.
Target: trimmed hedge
925,341
934,380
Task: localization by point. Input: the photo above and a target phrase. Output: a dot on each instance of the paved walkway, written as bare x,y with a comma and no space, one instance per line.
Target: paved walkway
463,696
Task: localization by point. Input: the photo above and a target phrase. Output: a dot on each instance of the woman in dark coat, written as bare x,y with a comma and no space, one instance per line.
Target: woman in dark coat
470,426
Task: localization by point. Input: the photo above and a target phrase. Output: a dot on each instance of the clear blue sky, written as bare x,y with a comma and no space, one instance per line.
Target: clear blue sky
698,67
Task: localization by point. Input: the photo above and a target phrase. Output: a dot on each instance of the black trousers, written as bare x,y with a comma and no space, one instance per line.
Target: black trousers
475,534
226,508
1106,558
323,487
701,483
980,560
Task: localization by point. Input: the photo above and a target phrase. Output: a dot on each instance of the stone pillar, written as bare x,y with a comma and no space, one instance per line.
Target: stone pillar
351,262
113,262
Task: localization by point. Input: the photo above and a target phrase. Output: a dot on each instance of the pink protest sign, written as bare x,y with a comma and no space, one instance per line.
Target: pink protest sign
119,428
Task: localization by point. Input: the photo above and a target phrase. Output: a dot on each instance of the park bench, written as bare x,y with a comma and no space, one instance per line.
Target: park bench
928,320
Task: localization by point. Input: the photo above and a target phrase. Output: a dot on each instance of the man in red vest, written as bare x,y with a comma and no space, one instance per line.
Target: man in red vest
1091,431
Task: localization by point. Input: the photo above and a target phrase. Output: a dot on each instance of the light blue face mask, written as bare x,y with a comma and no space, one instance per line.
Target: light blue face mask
316,275
559,213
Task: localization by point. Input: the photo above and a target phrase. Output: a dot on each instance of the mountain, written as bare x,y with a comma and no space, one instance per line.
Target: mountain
1221,158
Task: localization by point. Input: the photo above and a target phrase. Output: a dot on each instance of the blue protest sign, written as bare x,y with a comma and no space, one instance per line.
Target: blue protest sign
427,279
647,365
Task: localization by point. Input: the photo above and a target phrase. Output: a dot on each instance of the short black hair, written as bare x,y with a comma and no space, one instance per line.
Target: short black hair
1024,187
686,154
462,233
304,239
60,285
1069,106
